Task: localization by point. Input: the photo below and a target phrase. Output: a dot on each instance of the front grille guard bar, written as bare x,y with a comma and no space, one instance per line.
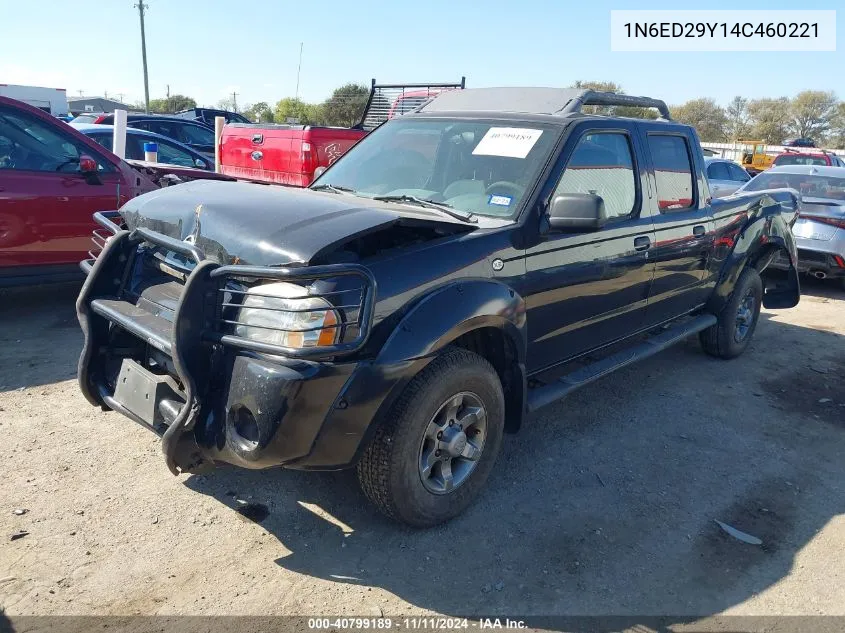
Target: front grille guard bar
106,220
220,274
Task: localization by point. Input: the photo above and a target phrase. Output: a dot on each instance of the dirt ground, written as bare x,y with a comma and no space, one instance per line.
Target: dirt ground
604,503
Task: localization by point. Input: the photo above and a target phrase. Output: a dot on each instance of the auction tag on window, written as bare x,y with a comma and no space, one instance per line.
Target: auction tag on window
511,142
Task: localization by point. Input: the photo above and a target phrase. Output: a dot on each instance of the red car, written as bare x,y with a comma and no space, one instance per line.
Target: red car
52,180
808,157
292,154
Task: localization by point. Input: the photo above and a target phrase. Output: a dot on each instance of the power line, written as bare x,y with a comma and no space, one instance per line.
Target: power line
141,6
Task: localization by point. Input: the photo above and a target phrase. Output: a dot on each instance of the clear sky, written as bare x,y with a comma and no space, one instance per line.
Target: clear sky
208,48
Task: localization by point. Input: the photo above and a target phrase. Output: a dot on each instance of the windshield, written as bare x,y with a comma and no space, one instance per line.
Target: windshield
800,159
478,167
812,186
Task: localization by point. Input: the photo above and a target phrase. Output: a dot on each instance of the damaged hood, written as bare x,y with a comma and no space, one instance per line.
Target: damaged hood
266,225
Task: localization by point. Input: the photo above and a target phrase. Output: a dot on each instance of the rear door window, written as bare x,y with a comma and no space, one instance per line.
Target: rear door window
670,155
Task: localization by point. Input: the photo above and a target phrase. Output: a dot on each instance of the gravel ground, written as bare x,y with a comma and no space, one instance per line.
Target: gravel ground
605,503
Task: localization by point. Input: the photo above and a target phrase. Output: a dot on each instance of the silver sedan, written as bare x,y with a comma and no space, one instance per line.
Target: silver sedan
724,176
820,228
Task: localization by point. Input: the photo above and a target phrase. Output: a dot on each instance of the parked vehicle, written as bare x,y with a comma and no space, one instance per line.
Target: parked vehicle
294,154
206,116
799,142
50,100
755,157
400,314
724,176
170,152
818,157
820,229
52,179
195,135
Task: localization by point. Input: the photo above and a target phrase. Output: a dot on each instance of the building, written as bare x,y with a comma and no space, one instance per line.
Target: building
97,104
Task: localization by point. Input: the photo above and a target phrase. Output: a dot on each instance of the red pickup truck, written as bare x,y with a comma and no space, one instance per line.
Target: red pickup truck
52,180
291,154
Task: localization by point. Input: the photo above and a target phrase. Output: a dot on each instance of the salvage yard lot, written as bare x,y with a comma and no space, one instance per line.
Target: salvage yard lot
603,504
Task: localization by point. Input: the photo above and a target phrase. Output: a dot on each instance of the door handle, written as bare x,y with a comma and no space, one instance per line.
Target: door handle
698,230
642,243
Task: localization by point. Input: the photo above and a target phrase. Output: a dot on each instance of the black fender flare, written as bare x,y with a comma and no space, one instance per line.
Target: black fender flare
441,317
452,310
767,232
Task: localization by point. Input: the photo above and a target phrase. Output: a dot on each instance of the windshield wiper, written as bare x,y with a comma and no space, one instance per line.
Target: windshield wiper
430,204
332,188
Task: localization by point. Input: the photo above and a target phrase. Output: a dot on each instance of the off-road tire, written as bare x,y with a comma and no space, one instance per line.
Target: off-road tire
389,468
719,340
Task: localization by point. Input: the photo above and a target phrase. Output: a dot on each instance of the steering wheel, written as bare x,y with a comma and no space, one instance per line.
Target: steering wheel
504,186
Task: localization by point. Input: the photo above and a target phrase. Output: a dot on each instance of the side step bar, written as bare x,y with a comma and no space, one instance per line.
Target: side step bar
541,396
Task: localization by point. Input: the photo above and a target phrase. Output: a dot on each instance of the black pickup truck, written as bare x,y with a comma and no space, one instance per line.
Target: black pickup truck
463,265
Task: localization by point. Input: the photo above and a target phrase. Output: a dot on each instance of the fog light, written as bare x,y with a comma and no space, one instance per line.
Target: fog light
244,427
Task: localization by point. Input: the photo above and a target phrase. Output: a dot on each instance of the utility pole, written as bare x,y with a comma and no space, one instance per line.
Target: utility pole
141,6
168,91
235,101
298,69
105,94
120,96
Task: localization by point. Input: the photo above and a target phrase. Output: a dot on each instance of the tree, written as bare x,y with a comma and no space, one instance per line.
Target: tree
811,113
290,108
737,119
346,105
259,112
226,104
769,119
173,103
706,116
837,125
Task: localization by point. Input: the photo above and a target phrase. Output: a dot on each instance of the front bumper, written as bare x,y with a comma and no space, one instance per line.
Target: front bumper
209,396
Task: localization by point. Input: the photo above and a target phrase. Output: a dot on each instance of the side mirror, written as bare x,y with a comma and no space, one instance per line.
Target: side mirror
200,163
87,164
577,212
319,171
88,169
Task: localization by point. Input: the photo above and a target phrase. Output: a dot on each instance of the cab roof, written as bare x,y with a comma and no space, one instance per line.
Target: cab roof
558,102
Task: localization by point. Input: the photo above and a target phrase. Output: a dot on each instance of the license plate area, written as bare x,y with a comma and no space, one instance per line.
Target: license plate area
142,392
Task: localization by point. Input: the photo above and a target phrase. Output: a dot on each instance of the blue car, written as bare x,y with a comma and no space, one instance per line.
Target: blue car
169,151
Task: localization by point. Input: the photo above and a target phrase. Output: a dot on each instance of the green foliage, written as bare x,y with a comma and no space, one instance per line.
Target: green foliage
171,104
737,119
259,112
811,113
346,105
290,110
706,116
769,119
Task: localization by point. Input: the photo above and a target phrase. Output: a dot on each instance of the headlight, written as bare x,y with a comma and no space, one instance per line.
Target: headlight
270,314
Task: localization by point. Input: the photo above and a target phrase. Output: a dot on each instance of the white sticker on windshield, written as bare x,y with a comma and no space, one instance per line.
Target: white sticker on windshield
512,142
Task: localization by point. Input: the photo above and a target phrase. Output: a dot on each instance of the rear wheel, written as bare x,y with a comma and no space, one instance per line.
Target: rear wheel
737,320
432,455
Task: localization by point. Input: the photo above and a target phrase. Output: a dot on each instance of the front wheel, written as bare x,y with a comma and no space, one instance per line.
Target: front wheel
433,453
737,320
